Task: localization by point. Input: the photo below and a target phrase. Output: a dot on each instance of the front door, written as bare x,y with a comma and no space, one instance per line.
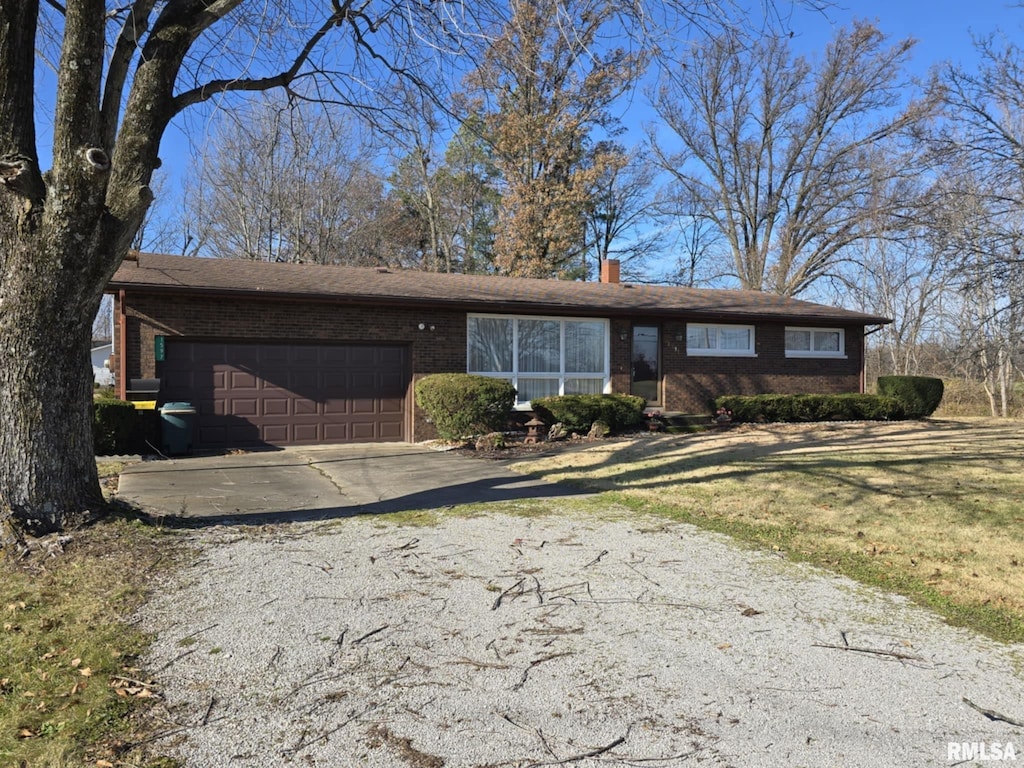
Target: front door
646,364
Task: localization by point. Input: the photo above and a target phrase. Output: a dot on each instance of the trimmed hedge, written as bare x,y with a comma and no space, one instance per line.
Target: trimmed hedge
920,395
579,412
462,405
116,427
796,408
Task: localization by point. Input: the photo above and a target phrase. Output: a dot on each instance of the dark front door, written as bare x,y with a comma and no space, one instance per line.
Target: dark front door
646,364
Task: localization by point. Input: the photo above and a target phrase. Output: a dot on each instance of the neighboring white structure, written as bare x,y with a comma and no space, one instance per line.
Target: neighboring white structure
100,355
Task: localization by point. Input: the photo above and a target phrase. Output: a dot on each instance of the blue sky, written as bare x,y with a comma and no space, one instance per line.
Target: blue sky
942,27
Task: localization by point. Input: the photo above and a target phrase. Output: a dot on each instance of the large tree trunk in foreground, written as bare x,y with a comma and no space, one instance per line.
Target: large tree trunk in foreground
46,313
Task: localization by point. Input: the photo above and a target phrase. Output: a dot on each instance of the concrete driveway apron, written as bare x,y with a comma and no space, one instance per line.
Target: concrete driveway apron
319,482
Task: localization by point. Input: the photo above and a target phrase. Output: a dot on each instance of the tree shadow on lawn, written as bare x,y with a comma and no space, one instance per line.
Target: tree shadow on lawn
836,454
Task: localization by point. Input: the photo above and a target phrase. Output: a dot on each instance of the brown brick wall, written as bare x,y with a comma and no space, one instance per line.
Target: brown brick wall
690,383
440,347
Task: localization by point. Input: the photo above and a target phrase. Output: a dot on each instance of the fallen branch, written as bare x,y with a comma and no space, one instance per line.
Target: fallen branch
583,755
993,715
534,663
209,711
369,634
597,559
497,601
874,651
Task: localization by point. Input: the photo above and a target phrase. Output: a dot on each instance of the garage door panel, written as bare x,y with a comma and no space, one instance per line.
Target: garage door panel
364,406
303,407
241,380
276,406
391,405
281,394
306,433
337,433
363,356
336,407
364,430
276,434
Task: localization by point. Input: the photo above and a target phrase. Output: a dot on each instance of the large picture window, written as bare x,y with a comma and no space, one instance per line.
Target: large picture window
815,342
541,356
730,340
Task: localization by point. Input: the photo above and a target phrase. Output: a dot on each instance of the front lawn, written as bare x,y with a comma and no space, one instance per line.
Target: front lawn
933,510
70,687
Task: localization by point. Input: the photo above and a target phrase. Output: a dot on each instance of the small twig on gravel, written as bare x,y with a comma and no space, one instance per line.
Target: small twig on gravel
875,651
497,601
176,658
303,742
536,590
641,574
209,710
325,568
370,634
583,755
410,544
197,632
597,559
992,715
479,664
540,735
534,663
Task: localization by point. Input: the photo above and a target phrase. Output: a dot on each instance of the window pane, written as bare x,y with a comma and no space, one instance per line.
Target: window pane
582,386
798,341
530,389
490,344
539,346
734,338
584,347
826,341
700,337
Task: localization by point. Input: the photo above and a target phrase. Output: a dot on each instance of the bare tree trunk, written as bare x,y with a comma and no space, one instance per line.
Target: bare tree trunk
48,476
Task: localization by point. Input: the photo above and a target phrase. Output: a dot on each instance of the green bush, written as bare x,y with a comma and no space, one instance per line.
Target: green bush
116,427
920,395
798,408
579,412
461,405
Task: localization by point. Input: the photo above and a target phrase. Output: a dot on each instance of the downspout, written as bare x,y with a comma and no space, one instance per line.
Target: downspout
122,347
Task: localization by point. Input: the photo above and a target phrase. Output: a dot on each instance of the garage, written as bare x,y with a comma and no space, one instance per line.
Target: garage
251,394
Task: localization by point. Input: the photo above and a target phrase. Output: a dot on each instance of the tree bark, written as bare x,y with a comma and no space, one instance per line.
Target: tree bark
48,478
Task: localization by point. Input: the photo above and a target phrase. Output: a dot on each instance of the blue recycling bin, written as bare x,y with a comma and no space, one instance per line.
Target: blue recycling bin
177,420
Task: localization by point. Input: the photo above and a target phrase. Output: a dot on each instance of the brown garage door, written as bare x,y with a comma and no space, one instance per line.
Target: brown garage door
288,394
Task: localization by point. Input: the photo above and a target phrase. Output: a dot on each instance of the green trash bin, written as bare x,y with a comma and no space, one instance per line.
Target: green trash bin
177,421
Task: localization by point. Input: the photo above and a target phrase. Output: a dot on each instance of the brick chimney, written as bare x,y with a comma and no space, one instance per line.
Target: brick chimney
610,271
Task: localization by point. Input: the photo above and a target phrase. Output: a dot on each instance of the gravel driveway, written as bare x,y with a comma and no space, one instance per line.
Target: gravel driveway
503,640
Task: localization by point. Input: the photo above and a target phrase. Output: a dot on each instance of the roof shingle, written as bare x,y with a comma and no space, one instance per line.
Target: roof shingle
191,275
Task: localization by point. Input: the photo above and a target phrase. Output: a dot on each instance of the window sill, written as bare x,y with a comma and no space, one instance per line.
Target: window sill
714,353
816,356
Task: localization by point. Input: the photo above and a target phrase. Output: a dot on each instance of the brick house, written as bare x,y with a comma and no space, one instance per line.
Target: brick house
288,354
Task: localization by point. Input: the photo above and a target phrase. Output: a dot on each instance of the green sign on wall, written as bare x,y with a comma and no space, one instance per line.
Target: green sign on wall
160,348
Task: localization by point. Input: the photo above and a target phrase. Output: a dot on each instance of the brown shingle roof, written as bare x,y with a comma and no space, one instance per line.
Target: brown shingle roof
190,275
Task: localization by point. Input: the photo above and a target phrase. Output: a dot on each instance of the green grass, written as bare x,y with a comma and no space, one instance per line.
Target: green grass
933,510
70,690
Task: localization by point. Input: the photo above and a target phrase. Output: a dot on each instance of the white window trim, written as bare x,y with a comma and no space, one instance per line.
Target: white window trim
839,355
752,352
562,374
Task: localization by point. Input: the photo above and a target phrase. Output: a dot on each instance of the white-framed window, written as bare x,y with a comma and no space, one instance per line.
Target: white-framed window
815,342
541,356
722,340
